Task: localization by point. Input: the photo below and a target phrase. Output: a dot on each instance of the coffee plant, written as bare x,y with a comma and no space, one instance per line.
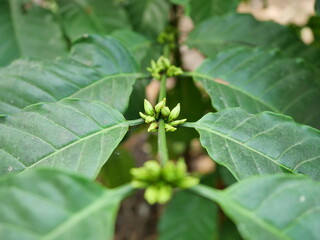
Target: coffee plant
73,80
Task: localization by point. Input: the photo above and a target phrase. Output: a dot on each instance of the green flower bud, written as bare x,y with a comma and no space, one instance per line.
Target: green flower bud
140,174
160,105
154,168
149,119
181,168
168,171
153,127
164,193
174,113
139,184
148,108
166,62
142,115
178,71
169,128
165,111
153,64
156,76
151,194
178,122
188,182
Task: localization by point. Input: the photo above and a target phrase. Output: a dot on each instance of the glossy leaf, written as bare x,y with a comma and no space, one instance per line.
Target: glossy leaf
192,216
28,30
258,80
70,134
264,143
99,68
233,30
149,17
136,43
279,207
92,17
49,204
204,9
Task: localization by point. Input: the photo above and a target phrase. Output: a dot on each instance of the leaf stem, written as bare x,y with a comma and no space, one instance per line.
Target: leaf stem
135,122
162,142
207,192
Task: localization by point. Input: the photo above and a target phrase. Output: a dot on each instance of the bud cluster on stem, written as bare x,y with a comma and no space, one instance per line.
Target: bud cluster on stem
163,66
161,111
159,181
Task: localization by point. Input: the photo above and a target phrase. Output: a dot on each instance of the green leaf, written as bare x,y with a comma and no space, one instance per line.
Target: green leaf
258,80
149,17
28,30
116,171
203,9
70,134
263,143
281,207
49,204
189,217
99,68
92,17
317,7
243,30
136,43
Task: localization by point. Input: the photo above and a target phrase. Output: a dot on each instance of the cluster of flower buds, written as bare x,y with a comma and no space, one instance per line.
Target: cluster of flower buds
159,181
168,37
161,111
163,66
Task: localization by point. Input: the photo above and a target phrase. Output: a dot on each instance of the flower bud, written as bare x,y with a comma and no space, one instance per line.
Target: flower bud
165,111
139,184
168,171
181,168
142,115
188,182
151,194
169,128
149,119
160,105
164,193
174,113
154,169
178,122
153,64
153,127
148,108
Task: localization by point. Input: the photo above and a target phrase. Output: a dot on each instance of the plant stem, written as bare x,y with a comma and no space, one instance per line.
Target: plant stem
162,93
162,142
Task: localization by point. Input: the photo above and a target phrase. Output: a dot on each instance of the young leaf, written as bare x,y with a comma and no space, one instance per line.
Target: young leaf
28,30
249,144
92,17
278,207
259,80
70,134
49,204
192,216
243,30
99,68
149,17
